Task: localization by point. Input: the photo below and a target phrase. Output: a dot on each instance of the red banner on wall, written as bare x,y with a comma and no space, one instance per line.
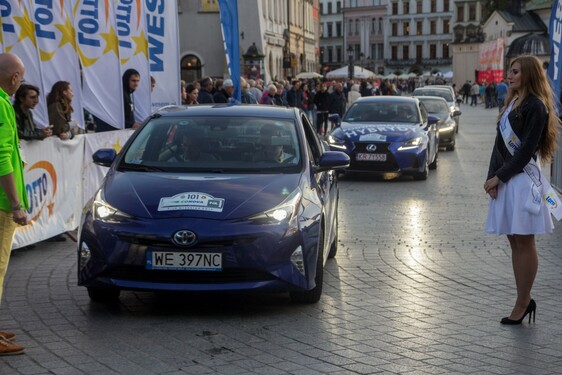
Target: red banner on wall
491,61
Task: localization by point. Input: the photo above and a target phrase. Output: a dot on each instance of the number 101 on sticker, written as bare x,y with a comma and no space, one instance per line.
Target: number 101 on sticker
183,261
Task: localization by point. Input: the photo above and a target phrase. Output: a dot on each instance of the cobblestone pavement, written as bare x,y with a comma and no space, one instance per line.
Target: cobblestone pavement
416,288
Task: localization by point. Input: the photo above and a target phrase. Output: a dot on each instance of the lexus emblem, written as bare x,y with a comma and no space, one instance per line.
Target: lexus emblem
184,238
371,147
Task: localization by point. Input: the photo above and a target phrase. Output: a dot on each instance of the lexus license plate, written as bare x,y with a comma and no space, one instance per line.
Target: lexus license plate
183,261
370,157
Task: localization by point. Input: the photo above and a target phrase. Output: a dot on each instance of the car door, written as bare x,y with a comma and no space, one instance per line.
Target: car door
326,182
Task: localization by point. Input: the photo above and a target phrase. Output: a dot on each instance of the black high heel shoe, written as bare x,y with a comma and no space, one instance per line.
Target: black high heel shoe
531,310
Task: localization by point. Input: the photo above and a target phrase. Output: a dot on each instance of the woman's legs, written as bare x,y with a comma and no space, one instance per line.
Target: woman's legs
525,264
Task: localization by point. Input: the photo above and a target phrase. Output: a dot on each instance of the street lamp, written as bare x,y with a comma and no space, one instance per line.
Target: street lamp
362,56
350,56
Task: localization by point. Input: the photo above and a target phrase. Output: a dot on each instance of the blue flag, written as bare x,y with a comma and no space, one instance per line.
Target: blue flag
555,65
229,24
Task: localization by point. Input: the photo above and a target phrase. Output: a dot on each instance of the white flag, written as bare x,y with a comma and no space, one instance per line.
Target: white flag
57,51
133,51
18,37
163,51
98,48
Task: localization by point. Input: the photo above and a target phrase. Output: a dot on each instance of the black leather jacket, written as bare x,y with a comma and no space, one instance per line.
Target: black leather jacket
528,121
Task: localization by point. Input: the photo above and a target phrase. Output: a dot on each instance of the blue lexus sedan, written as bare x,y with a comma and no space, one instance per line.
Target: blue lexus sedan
388,134
213,198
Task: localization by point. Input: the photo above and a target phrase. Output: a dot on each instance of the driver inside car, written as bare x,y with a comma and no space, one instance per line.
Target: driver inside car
271,141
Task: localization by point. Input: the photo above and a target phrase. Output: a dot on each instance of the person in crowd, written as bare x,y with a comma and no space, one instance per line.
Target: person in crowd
269,95
131,80
295,95
183,86
474,92
482,91
205,96
279,97
13,195
336,102
246,94
26,99
465,89
59,108
501,92
321,99
254,89
152,83
307,101
527,134
364,89
353,94
191,150
191,94
225,93
217,86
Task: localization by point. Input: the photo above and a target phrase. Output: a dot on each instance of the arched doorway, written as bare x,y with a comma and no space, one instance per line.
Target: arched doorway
190,68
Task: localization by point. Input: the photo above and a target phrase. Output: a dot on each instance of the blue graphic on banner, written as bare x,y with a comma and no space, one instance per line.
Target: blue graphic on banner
229,24
555,65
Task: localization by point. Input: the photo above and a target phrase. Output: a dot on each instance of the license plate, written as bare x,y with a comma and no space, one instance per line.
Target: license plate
183,261
370,157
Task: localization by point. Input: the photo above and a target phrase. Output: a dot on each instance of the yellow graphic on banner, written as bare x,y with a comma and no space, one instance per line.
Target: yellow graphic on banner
68,34
111,41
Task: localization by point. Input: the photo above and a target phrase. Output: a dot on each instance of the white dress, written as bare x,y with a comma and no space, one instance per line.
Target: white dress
507,214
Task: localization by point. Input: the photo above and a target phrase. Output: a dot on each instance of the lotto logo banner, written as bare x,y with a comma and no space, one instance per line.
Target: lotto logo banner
555,65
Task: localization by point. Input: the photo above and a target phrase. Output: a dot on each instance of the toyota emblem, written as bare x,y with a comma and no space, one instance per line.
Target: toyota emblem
184,238
371,147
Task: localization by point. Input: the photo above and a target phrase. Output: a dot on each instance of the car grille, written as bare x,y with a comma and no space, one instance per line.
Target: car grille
136,273
390,165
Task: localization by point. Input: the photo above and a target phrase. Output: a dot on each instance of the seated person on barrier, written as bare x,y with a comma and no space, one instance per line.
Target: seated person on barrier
271,142
191,150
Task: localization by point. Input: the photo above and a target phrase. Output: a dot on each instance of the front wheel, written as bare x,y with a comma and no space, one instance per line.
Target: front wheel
313,295
435,161
420,176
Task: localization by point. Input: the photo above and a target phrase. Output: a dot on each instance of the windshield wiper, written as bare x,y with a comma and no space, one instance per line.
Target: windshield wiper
139,167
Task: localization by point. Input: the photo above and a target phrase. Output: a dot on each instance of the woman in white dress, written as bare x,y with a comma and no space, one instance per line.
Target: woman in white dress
530,111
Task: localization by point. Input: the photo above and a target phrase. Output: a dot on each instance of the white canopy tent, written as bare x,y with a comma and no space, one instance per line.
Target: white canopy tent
343,72
308,75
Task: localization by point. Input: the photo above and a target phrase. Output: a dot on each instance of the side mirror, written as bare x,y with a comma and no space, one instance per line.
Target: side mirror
104,157
332,160
431,120
457,113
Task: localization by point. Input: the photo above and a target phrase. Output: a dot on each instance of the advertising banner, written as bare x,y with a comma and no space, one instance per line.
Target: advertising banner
491,61
230,34
555,65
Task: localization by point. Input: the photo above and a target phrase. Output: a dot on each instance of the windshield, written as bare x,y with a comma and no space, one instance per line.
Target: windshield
215,144
444,93
383,111
435,106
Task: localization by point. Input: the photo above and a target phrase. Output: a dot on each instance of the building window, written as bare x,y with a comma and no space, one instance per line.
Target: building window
380,51
321,8
405,52
338,54
380,25
395,8
338,7
406,7
433,6
472,12
373,25
446,26
419,28
350,28
446,50
329,8
338,29
419,6
190,68
330,34
406,28
330,57
432,51
394,53
433,27
419,53
460,12
446,6
394,29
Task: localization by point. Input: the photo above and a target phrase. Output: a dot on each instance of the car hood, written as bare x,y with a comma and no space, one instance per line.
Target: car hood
377,132
205,196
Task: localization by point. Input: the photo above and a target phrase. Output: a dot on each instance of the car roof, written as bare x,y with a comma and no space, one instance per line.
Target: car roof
227,110
427,88
422,98
390,98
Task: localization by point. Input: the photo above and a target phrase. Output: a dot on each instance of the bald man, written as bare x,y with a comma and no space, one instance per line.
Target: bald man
13,197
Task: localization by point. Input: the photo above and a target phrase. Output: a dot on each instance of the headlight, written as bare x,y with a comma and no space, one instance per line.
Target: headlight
336,142
446,125
286,212
410,144
103,211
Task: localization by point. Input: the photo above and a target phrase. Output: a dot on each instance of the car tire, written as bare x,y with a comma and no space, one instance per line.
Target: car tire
334,246
435,161
420,176
313,295
104,294
451,147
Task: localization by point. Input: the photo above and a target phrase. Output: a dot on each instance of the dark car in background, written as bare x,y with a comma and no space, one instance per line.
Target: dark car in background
444,92
437,106
388,134
213,198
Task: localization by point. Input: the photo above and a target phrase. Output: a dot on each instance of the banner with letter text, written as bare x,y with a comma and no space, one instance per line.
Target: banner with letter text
491,61
57,50
163,51
555,65
18,37
133,51
229,25
98,48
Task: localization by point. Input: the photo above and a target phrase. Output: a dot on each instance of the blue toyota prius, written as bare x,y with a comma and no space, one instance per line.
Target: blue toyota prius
213,198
